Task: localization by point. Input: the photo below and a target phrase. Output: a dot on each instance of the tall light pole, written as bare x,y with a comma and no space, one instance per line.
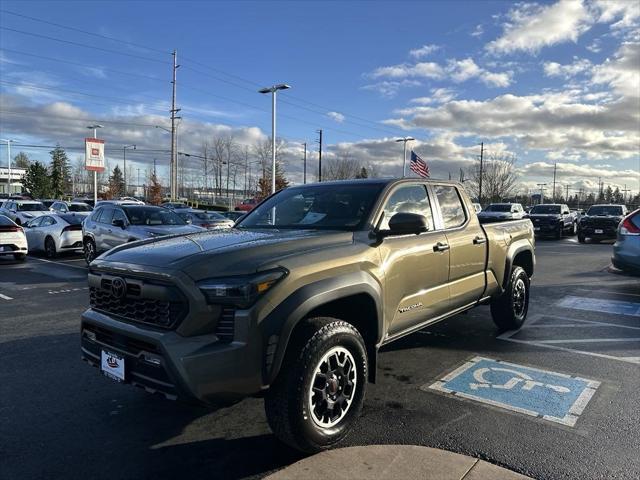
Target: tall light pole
272,90
95,173
304,176
404,153
124,161
480,179
542,189
8,163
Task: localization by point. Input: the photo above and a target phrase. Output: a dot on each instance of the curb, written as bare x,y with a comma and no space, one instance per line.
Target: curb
401,462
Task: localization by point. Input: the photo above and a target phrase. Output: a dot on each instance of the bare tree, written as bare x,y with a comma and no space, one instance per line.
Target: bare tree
499,177
263,152
342,167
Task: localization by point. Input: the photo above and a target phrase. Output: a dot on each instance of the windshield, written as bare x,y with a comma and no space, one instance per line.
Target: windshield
322,207
613,210
79,207
209,216
152,216
72,219
31,207
498,208
545,209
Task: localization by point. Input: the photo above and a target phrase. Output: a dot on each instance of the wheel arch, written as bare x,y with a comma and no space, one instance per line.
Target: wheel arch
355,298
520,254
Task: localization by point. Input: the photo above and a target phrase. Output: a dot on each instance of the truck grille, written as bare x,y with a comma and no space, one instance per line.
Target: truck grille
158,313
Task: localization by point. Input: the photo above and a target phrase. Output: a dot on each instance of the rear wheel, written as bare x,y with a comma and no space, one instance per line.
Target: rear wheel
89,251
50,248
509,310
320,389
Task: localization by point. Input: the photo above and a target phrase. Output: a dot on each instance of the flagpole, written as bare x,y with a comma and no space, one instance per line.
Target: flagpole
404,153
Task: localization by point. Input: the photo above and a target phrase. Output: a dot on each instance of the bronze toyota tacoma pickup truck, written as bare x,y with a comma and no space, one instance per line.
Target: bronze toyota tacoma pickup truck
294,302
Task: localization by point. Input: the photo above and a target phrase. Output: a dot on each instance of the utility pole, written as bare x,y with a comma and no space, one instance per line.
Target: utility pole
320,156
624,193
480,180
154,167
174,141
542,189
304,176
124,161
566,197
555,165
404,153
138,182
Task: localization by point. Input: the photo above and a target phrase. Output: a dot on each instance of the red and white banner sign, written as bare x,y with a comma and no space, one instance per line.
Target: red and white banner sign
94,154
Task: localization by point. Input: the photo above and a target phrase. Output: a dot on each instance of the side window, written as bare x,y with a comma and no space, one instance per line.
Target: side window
35,222
453,214
119,215
408,199
95,216
47,221
106,216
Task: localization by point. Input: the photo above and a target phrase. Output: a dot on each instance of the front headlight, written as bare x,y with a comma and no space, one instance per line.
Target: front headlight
241,291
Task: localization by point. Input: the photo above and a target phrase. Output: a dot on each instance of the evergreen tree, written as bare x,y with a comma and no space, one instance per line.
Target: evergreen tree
59,171
21,160
608,194
36,180
363,173
617,196
116,183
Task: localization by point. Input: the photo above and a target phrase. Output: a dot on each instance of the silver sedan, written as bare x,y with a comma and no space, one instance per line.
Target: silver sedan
55,233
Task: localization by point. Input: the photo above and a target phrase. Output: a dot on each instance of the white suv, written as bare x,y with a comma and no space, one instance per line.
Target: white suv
12,239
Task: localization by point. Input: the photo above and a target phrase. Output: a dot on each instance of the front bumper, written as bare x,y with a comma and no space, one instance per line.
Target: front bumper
542,229
199,369
604,231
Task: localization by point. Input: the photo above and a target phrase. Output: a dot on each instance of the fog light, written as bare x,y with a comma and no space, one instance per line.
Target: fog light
152,359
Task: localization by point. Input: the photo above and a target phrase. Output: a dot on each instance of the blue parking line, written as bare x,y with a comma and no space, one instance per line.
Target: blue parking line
553,396
617,307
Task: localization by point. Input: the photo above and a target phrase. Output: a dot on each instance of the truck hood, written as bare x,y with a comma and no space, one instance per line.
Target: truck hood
231,252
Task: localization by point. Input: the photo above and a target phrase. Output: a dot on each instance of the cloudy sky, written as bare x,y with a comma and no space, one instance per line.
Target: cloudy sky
551,82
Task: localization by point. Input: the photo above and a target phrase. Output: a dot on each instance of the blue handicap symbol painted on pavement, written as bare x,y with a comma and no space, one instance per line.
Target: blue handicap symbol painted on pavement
553,396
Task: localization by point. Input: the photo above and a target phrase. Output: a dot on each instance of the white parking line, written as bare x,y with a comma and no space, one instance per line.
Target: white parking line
599,290
5,297
553,344
59,263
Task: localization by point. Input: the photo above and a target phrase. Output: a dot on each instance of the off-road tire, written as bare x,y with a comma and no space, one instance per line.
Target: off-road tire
50,248
558,234
581,238
20,257
506,311
287,400
89,244
574,229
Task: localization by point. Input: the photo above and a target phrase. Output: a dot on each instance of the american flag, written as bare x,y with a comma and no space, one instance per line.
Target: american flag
418,165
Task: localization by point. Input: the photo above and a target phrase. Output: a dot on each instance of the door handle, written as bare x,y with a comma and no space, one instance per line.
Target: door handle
479,240
441,247
110,231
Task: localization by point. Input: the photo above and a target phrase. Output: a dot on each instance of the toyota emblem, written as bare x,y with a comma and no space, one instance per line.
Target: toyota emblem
118,288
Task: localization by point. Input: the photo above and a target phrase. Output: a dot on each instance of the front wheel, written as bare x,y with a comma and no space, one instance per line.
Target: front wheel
50,248
320,389
574,229
581,238
90,252
20,257
509,310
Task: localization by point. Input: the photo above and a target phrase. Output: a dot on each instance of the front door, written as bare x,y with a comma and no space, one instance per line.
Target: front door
415,266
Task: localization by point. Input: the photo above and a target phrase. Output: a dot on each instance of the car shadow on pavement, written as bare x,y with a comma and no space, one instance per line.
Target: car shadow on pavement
60,418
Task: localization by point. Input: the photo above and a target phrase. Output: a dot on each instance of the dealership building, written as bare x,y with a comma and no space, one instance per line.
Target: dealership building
15,186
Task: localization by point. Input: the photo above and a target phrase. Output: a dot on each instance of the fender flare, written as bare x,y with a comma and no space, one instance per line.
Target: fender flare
514,249
277,326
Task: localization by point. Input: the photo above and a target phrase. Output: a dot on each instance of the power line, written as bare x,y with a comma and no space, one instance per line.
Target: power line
93,34
116,52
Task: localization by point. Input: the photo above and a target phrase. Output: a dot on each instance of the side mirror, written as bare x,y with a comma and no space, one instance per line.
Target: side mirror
405,224
189,221
118,222
526,215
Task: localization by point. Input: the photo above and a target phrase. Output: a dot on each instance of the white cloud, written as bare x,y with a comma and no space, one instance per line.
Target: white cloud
405,70
553,69
463,70
438,95
530,27
336,116
389,88
622,73
478,31
423,51
626,12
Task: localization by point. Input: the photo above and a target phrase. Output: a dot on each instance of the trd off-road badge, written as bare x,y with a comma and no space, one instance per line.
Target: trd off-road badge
409,307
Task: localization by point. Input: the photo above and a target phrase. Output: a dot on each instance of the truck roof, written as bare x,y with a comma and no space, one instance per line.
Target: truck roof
376,181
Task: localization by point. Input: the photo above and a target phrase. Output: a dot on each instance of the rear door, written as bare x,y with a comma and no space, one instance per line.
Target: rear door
416,269
467,243
103,229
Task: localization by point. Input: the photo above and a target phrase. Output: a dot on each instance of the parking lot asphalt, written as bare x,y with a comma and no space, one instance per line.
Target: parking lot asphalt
59,418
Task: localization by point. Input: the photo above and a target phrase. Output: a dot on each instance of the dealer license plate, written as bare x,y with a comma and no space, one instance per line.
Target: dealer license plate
597,230
112,365
536,229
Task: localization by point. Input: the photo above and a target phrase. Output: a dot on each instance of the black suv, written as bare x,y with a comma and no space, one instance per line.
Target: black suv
601,222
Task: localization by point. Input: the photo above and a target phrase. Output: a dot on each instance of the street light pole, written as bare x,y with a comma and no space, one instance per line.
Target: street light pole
404,153
124,158
8,164
272,90
95,173
304,177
